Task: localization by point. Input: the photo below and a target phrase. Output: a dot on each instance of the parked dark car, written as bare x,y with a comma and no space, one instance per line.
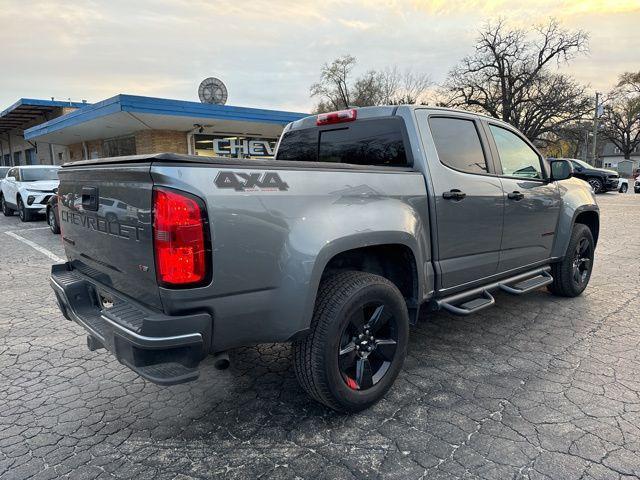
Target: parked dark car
53,217
601,180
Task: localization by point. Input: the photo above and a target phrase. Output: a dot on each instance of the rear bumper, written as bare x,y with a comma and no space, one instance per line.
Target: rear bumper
163,349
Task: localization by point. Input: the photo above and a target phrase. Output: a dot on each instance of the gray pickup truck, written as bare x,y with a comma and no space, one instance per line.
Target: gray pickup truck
364,219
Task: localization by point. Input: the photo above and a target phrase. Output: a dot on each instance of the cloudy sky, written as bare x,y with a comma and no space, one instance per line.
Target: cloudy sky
268,52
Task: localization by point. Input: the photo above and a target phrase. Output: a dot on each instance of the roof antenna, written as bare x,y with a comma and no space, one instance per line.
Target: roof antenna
52,99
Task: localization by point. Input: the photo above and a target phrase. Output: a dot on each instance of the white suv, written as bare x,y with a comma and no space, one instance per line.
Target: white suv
27,189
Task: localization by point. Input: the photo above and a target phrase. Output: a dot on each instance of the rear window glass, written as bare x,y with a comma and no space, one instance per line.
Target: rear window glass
458,144
365,142
301,145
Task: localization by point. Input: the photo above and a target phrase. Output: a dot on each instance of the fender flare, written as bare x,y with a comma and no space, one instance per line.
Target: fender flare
560,249
357,241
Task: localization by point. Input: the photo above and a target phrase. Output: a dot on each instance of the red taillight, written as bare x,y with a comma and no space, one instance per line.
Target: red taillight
179,238
342,116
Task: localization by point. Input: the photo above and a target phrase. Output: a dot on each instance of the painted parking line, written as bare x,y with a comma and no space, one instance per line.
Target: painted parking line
620,204
34,245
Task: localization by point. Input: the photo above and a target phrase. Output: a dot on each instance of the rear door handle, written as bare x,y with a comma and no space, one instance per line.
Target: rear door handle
515,195
454,194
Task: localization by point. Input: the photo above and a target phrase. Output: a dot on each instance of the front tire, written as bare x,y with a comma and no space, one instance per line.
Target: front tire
571,275
624,188
53,223
6,210
596,185
24,214
357,342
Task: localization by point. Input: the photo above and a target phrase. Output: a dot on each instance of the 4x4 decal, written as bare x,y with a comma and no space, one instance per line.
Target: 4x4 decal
242,182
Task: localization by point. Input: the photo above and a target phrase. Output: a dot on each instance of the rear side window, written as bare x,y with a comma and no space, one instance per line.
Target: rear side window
378,142
300,145
458,144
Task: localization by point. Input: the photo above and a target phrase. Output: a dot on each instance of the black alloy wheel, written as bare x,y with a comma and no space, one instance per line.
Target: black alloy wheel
368,346
571,275
596,185
22,210
582,262
357,341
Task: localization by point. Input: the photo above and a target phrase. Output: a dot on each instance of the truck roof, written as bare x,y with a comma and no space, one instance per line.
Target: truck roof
384,111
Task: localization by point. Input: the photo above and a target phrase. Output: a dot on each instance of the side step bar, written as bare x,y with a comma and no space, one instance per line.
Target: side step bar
526,286
472,301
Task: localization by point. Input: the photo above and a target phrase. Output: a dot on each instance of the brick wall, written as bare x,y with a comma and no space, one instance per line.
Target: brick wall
147,141
157,141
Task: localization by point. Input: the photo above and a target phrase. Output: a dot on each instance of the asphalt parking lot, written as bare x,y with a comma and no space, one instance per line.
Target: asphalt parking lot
537,387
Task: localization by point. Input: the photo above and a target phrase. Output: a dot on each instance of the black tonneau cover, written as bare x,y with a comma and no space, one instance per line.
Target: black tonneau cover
226,161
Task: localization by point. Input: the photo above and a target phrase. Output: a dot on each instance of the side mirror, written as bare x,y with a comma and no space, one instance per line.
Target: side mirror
561,170
12,179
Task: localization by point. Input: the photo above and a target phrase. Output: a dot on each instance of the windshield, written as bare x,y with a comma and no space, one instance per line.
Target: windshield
35,174
582,164
3,171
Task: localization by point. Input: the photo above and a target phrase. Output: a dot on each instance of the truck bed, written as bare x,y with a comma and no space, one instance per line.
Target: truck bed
271,235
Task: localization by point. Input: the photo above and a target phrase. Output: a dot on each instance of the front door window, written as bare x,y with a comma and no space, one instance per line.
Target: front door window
517,158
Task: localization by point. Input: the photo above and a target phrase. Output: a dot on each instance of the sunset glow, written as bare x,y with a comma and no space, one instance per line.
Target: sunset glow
95,50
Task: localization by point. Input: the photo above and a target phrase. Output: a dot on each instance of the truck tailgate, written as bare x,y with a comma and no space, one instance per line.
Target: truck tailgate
105,216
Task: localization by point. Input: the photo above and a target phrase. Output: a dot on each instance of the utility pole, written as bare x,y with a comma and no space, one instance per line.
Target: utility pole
595,130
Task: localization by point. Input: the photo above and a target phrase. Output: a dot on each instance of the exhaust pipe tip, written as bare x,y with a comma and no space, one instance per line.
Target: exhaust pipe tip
221,361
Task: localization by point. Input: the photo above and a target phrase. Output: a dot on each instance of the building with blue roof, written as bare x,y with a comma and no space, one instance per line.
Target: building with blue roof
131,124
27,113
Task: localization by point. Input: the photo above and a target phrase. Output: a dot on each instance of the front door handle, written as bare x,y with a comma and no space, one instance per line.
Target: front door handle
454,194
515,195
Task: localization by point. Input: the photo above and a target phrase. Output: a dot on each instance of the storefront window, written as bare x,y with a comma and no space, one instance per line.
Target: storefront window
119,147
234,146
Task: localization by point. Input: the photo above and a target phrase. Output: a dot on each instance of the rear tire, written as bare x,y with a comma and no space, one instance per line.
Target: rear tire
23,212
571,275
336,363
6,210
624,188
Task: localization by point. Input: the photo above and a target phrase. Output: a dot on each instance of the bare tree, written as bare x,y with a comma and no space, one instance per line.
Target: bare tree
509,77
568,141
404,88
629,82
333,87
621,119
338,90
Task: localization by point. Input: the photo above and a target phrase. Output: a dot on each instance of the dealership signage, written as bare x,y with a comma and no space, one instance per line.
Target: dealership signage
237,147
